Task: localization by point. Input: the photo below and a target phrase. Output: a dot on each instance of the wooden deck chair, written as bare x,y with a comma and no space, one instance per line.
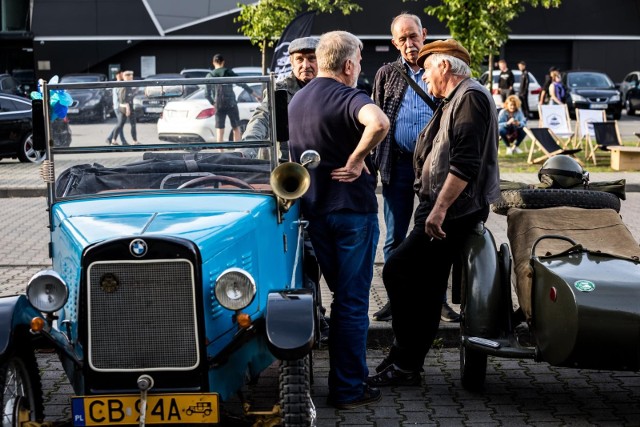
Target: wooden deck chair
547,142
556,118
606,135
584,129
638,135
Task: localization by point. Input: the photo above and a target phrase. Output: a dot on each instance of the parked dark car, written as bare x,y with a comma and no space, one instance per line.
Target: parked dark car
27,80
630,91
88,104
16,125
149,108
8,84
592,90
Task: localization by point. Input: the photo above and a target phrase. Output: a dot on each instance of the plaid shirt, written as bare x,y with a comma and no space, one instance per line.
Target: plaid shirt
389,89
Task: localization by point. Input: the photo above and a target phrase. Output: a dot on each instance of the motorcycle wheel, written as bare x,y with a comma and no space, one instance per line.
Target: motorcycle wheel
550,198
21,389
296,405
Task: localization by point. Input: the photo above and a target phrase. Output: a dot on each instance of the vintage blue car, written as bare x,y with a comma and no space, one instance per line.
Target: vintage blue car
177,277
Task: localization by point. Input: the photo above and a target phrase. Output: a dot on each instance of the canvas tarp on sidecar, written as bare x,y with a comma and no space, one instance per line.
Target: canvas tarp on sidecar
597,230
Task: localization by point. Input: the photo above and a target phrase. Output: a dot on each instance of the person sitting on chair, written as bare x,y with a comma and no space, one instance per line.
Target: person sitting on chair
511,123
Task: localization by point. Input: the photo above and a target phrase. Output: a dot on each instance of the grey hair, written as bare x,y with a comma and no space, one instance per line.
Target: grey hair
334,48
405,15
458,66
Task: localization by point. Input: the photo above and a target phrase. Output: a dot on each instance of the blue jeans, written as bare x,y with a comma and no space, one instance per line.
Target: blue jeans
345,245
398,198
118,130
506,130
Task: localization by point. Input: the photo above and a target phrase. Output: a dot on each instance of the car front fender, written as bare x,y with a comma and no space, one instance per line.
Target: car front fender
290,323
15,312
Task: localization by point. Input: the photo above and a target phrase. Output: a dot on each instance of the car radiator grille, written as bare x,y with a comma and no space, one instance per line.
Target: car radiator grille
142,315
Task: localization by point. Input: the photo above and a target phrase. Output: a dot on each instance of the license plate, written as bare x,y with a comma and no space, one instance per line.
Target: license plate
153,110
73,110
161,409
598,106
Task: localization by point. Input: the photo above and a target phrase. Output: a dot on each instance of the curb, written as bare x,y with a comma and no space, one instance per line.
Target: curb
381,335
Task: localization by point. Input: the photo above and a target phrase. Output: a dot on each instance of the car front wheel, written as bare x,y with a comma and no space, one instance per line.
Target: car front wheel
630,110
21,390
295,393
27,153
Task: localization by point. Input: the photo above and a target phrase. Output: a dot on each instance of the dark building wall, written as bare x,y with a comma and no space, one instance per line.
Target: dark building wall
587,35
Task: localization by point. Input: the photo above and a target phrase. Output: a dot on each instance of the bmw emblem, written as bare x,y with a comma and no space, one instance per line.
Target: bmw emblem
138,248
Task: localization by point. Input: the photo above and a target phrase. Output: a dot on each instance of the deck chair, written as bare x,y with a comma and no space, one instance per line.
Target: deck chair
606,135
584,129
638,135
546,141
556,118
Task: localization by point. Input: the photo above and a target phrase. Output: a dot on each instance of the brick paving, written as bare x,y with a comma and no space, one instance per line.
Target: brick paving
517,393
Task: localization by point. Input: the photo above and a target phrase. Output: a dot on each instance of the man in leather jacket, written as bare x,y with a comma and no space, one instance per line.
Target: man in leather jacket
457,178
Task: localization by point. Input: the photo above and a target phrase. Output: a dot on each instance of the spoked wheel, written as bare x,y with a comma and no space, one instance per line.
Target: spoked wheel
21,390
297,407
473,368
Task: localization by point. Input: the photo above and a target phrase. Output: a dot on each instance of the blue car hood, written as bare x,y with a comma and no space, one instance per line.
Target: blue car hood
194,217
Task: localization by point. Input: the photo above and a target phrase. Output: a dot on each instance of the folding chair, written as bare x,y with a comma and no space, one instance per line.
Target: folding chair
638,135
556,118
546,141
606,135
584,129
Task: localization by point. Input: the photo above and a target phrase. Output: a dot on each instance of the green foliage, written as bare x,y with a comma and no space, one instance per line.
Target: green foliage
482,26
264,22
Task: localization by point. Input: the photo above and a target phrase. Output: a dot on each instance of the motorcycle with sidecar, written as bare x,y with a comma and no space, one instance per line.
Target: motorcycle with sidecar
575,270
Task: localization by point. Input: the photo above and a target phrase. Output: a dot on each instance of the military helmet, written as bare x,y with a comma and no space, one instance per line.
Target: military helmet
562,171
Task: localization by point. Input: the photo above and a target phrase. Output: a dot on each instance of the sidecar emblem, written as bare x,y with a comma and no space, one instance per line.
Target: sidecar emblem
109,283
585,286
138,248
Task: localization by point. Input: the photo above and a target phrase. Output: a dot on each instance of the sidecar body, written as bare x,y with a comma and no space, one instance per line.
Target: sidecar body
576,276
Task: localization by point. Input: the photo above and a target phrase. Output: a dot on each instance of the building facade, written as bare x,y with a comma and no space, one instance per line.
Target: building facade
158,36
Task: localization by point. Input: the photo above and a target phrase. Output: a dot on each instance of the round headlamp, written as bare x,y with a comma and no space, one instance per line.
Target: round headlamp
235,289
47,292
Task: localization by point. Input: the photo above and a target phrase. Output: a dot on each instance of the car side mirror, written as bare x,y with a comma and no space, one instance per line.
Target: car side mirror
281,99
37,117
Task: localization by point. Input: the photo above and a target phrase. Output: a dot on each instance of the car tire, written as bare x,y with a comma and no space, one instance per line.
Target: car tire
243,127
549,198
629,108
26,152
295,393
618,115
21,387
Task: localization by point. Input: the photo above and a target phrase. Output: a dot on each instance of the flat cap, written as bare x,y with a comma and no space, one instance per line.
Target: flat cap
446,47
303,43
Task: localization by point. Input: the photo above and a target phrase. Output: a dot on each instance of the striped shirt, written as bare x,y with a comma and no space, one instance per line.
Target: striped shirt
413,116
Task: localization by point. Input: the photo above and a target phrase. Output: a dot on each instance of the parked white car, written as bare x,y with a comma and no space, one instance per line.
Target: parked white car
534,89
192,119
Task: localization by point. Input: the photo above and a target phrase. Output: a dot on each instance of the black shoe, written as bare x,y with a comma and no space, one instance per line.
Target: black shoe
448,314
384,313
394,376
370,395
386,362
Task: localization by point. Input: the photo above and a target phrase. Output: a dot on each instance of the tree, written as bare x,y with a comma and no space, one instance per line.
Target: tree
482,26
264,22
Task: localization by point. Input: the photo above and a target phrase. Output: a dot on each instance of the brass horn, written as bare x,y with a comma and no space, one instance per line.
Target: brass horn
289,181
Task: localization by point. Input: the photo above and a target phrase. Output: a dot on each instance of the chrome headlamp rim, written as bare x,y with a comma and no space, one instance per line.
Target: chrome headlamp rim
47,291
235,288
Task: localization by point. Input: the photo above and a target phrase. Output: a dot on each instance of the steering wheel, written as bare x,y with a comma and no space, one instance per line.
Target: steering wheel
216,180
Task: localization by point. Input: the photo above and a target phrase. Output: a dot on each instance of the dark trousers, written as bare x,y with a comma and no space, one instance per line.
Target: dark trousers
416,276
525,105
